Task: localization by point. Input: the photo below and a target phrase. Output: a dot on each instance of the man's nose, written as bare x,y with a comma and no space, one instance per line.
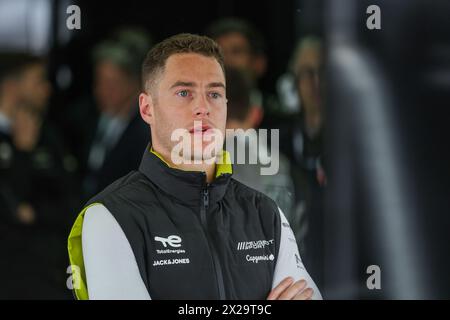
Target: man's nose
201,107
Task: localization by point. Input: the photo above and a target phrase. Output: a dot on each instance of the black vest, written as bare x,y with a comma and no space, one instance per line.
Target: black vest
194,240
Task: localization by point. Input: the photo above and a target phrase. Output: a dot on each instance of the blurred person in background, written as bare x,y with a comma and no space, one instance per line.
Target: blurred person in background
307,149
109,134
11,66
34,197
241,114
243,47
308,139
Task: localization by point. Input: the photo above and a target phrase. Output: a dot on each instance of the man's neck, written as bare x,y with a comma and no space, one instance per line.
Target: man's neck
209,169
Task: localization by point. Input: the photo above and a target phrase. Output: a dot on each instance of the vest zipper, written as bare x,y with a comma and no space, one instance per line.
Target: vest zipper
216,263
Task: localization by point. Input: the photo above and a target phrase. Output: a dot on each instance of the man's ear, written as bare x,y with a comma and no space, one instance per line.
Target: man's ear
146,108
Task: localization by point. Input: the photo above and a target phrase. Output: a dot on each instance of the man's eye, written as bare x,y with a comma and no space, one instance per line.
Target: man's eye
183,93
215,95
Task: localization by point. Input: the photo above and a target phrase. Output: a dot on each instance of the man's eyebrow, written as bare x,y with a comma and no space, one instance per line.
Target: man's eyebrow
183,84
193,85
216,85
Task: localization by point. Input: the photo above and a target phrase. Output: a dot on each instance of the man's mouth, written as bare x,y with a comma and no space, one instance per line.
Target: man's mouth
199,129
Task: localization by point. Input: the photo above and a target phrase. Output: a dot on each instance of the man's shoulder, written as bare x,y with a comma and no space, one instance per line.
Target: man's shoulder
244,193
258,208
121,187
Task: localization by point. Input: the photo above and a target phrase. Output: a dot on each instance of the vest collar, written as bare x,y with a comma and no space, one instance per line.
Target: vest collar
185,186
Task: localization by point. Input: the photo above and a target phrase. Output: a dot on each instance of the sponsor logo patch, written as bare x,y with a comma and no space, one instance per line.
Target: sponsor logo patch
257,259
166,262
173,241
248,245
169,251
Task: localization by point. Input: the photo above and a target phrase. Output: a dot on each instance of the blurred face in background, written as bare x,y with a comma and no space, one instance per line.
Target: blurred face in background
114,88
309,68
238,54
35,89
236,50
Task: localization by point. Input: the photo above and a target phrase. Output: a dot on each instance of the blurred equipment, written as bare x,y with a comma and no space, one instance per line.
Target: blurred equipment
388,195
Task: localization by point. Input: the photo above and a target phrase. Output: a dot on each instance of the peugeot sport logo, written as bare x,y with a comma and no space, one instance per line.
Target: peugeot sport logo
173,241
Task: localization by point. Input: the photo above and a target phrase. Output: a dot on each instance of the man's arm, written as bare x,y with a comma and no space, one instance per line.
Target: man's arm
289,263
111,269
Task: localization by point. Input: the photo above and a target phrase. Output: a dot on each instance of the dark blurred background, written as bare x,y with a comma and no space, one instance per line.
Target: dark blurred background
362,114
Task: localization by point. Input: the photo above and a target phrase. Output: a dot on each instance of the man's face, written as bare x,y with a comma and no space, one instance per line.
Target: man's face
191,88
309,78
236,50
113,87
34,87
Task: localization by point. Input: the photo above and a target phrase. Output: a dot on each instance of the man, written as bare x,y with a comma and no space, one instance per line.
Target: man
108,135
34,195
24,91
186,230
307,145
242,118
243,47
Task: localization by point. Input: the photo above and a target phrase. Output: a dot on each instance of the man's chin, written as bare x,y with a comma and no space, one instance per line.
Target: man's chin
205,155
197,153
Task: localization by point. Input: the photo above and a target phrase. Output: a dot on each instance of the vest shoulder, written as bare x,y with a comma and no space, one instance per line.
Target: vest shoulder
121,186
246,193
256,206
